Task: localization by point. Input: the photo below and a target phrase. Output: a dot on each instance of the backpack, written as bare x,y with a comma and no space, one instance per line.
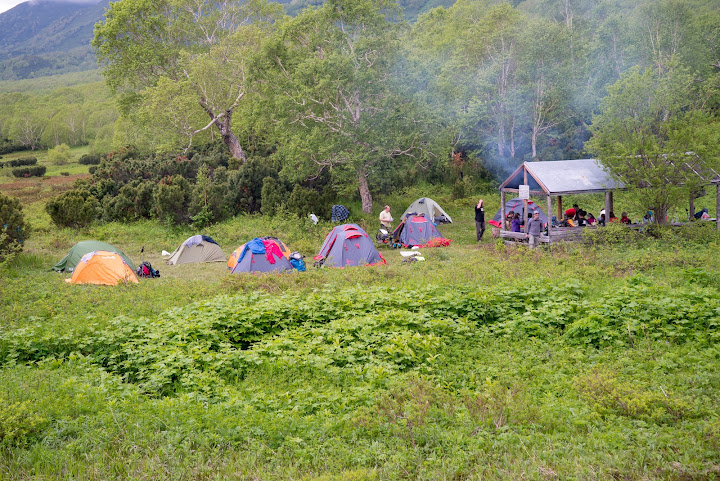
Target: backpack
146,270
296,260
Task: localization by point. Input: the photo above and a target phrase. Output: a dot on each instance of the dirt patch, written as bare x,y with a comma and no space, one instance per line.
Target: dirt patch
33,189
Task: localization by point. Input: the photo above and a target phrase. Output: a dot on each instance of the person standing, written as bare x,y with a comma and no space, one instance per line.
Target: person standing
480,219
385,218
533,229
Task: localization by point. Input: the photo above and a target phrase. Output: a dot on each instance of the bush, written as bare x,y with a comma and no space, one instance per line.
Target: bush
75,208
12,226
34,171
272,196
245,185
171,198
303,201
88,159
60,155
22,161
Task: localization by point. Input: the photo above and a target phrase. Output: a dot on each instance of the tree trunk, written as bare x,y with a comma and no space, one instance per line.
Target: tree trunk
229,137
365,195
233,144
660,212
223,125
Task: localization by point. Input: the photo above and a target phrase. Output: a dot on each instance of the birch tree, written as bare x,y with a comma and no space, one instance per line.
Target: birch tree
202,46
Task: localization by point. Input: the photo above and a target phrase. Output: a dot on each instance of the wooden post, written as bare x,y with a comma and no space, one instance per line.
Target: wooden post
608,206
612,205
549,222
502,210
560,209
525,202
717,207
691,212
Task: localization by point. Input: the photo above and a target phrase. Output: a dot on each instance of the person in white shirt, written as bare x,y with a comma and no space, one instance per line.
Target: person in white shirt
385,218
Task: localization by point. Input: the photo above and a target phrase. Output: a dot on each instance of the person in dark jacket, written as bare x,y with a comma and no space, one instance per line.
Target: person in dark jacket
533,229
480,219
515,223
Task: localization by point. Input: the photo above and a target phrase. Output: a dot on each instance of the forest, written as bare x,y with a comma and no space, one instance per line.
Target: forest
350,96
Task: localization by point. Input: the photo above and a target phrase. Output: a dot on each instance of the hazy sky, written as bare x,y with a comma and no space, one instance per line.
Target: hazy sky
8,4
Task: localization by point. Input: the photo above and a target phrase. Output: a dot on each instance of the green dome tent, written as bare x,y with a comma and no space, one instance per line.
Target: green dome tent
77,251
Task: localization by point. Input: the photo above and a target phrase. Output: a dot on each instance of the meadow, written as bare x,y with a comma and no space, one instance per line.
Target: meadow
486,361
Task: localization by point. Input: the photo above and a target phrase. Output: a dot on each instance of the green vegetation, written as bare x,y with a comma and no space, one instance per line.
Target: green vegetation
484,361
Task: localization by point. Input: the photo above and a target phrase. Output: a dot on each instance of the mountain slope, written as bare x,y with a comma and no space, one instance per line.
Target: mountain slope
47,37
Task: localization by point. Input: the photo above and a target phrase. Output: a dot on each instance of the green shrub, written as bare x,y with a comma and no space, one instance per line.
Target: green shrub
34,171
12,226
120,207
273,195
612,396
21,162
303,201
89,159
458,190
170,199
18,423
60,155
244,192
75,208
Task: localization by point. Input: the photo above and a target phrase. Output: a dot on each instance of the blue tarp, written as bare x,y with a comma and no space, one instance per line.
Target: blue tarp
256,246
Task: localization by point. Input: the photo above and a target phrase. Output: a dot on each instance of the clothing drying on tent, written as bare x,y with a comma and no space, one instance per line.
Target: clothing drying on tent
430,209
198,248
260,255
339,213
348,245
516,207
102,268
416,231
77,251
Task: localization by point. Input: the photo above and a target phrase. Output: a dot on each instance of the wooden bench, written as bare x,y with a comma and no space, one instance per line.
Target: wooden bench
557,234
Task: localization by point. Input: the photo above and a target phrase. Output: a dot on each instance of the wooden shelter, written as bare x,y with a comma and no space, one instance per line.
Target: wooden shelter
555,179
581,176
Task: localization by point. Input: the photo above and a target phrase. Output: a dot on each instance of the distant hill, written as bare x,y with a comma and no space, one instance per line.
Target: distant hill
50,37
47,37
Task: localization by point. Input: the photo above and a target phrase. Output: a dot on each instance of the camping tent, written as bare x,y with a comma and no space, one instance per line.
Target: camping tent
198,248
430,209
266,254
77,251
348,245
416,231
516,206
103,268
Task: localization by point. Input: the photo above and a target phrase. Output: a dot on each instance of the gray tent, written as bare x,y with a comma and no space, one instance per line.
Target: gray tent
198,248
428,208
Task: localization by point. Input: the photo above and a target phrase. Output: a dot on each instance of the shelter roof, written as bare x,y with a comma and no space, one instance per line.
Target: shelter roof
559,177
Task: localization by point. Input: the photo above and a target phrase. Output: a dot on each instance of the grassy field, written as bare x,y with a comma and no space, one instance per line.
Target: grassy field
485,361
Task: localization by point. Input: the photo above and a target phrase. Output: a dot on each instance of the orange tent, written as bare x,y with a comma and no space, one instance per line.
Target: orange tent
102,267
